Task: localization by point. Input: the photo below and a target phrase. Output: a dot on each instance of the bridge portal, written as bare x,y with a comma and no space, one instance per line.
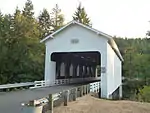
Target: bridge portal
76,64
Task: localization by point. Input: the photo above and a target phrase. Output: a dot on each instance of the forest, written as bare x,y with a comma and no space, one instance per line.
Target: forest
22,54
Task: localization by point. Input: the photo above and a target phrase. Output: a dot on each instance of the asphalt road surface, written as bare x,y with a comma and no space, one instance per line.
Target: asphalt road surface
10,102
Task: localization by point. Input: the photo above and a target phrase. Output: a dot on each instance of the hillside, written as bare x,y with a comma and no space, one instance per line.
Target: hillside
89,104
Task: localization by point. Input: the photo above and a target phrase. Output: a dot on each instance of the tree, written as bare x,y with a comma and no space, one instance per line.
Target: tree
22,57
148,33
29,53
28,9
45,23
1,19
57,18
81,16
5,47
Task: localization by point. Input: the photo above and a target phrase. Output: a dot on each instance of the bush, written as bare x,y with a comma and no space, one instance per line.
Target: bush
131,89
144,94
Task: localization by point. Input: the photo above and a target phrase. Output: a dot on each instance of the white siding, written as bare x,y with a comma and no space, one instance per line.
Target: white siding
50,67
88,41
118,71
113,70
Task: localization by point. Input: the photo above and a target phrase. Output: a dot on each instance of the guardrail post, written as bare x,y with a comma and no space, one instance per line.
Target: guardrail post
75,94
51,103
84,89
66,97
32,102
87,88
81,91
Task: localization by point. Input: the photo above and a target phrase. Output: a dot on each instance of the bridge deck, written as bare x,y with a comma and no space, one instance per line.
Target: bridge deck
10,102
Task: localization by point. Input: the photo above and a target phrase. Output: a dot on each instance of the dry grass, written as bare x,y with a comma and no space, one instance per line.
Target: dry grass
89,104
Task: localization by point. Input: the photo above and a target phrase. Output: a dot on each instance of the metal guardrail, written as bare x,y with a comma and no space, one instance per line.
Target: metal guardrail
16,85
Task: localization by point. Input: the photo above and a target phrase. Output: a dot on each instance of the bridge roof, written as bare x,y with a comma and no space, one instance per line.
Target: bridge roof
110,38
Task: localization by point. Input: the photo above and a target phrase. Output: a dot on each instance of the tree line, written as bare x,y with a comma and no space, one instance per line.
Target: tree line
21,54
136,54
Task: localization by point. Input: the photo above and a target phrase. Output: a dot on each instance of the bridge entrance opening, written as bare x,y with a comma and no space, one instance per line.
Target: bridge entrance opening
77,64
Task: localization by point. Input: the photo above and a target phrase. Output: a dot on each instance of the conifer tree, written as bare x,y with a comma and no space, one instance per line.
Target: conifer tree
81,16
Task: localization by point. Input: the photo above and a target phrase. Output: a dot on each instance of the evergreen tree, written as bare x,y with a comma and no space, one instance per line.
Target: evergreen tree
57,18
28,9
21,56
17,17
148,33
45,23
30,24
81,16
1,19
5,46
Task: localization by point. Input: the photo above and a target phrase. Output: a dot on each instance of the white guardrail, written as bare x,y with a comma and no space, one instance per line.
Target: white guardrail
16,85
39,84
95,86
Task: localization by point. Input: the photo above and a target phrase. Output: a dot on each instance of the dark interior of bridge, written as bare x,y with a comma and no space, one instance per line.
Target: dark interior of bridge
82,64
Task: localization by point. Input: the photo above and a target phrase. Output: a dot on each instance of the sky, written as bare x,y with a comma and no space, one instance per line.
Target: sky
124,18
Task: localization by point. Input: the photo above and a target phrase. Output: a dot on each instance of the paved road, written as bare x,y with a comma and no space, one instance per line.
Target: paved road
10,102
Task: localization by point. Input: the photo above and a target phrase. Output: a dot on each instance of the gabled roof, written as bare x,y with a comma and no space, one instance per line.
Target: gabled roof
110,38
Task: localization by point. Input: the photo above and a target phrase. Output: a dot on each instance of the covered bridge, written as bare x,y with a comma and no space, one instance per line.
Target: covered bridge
80,53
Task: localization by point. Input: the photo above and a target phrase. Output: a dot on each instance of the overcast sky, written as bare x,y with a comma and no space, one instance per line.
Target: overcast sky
125,18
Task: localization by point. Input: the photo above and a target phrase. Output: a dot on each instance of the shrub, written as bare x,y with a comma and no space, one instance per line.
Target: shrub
144,94
131,89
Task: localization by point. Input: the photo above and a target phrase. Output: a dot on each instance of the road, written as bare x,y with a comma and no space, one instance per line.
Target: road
10,102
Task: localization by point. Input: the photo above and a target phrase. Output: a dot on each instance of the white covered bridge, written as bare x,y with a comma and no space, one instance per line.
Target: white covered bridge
80,53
